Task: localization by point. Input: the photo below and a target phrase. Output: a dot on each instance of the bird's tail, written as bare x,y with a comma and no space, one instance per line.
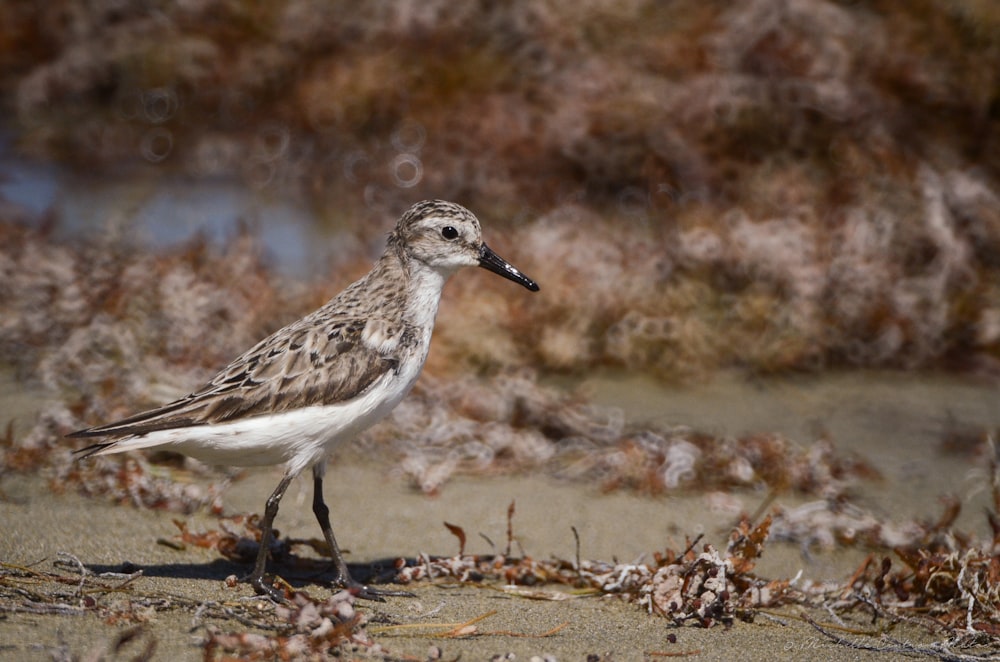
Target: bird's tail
93,449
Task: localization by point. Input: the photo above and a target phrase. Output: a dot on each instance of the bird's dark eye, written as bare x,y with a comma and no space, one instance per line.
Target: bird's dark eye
449,232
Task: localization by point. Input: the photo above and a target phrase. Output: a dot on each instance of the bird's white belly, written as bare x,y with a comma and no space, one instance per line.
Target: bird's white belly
298,438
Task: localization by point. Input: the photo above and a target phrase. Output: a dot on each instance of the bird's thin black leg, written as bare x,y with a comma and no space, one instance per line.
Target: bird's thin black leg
343,574
256,578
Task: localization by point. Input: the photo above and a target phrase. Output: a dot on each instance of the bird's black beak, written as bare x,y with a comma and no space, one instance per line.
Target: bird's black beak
493,262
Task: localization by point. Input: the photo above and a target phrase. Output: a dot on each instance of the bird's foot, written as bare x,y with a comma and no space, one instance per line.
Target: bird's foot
366,592
262,586
278,589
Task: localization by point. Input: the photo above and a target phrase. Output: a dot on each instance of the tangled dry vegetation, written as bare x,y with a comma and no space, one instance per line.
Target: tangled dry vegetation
108,330
776,185
942,586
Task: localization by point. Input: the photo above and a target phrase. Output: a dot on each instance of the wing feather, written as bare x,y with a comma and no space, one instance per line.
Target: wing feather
317,360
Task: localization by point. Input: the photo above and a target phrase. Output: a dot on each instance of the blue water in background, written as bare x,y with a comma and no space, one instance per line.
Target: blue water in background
163,210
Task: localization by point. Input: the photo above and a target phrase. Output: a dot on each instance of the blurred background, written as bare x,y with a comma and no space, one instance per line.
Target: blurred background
770,185
752,223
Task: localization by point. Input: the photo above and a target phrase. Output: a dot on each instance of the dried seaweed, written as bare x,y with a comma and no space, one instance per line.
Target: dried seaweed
741,186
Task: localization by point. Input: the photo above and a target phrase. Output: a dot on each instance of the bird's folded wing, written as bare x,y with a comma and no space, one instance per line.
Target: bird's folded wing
302,365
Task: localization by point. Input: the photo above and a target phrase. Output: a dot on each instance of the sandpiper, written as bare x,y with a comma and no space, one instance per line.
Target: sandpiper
320,381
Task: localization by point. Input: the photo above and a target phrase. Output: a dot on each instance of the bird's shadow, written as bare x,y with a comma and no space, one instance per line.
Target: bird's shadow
298,572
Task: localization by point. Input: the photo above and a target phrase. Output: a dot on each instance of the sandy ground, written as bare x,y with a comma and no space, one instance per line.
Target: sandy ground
377,516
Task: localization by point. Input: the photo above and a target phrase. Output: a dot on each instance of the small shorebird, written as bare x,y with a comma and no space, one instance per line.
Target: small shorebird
320,381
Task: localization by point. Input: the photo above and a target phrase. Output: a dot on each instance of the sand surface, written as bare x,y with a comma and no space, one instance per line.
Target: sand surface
377,516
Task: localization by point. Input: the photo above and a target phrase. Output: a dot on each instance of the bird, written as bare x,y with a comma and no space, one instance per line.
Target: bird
296,395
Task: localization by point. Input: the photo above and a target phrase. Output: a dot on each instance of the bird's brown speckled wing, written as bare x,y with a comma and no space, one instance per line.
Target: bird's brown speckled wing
302,365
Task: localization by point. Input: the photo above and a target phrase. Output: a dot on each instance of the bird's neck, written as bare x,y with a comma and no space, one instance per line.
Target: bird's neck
419,289
424,295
